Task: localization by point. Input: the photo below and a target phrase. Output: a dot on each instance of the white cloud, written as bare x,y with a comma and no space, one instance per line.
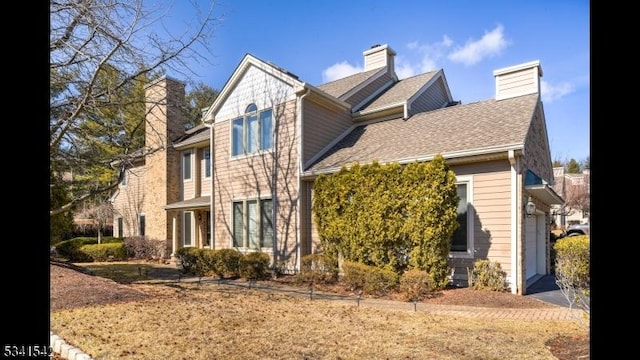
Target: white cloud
339,70
491,44
551,92
430,54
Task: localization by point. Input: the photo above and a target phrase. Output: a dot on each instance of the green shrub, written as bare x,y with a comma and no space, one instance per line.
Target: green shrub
187,259
317,268
227,262
572,260
415,285
114,251
488,275
205,262
255,266
370,279
71,249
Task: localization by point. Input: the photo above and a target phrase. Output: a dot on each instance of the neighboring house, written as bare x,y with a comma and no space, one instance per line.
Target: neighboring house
573,188
244,179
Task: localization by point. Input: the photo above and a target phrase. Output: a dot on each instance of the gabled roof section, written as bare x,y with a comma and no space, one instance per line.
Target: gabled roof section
247,62
401,91
479,128
193,136
340,87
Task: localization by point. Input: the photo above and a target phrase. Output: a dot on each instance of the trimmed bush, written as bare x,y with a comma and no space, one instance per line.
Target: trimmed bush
114,251
415,285
187,259
317,268
71,249
370,279
488,275
226,262
255,266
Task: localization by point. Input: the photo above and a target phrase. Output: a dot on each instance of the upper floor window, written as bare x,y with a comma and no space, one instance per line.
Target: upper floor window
462,239
252,132
207,162
186,165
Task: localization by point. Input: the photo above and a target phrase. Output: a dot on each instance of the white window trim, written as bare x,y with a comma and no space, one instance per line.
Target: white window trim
190,153
192,230
469,254
204,150
258,152
244,201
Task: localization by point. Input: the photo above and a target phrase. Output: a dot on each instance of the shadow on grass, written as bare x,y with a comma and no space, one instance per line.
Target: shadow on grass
127,273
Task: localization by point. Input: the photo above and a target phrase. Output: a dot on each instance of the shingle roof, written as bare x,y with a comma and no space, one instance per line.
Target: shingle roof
340,87
401,91
193,136
471,127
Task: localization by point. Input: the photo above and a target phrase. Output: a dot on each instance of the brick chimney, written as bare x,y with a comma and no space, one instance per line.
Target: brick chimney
165,99
378,56
518,80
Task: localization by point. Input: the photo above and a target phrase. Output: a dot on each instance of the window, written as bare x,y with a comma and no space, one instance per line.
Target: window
462,239
141,224
207,241
186,165
187,229
253,224
120,228
252,132
125,178
207,162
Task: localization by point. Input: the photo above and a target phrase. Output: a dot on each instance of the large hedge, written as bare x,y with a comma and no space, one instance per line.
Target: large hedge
390,216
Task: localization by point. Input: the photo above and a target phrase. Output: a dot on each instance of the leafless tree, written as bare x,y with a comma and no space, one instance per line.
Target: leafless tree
99,52
102,214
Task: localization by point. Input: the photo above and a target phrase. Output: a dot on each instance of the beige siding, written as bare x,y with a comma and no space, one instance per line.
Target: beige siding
321,127
251,177
128,202
368,90
517,83
492,210
188,186
258,87
432,98
205,182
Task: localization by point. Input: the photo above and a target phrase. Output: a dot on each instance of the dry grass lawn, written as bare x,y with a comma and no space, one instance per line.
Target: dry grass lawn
191,321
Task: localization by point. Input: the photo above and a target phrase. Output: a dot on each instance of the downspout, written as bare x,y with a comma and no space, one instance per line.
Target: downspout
300,169
515,203
212,200
406,111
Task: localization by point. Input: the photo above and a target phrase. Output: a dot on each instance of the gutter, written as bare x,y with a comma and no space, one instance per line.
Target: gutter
515,205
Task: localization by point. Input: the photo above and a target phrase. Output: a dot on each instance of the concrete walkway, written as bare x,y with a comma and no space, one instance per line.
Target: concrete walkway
543,290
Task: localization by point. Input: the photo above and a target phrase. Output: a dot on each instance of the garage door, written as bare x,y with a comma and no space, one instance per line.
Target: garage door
531,257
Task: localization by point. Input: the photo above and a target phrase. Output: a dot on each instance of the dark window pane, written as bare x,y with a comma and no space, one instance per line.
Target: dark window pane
267,223
266,130
187,229
237,225
460,236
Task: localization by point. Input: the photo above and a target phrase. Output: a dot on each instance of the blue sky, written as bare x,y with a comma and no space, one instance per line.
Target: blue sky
320,41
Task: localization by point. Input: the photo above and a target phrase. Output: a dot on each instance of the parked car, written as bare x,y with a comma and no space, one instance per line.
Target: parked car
578,229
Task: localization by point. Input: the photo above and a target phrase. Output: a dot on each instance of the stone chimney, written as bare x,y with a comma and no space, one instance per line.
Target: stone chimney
518,80
378,56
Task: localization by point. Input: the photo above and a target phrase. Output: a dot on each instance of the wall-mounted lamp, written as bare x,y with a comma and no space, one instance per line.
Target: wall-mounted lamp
530,207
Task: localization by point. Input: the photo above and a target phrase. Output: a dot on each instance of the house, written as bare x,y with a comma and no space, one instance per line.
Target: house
244,178
575,189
